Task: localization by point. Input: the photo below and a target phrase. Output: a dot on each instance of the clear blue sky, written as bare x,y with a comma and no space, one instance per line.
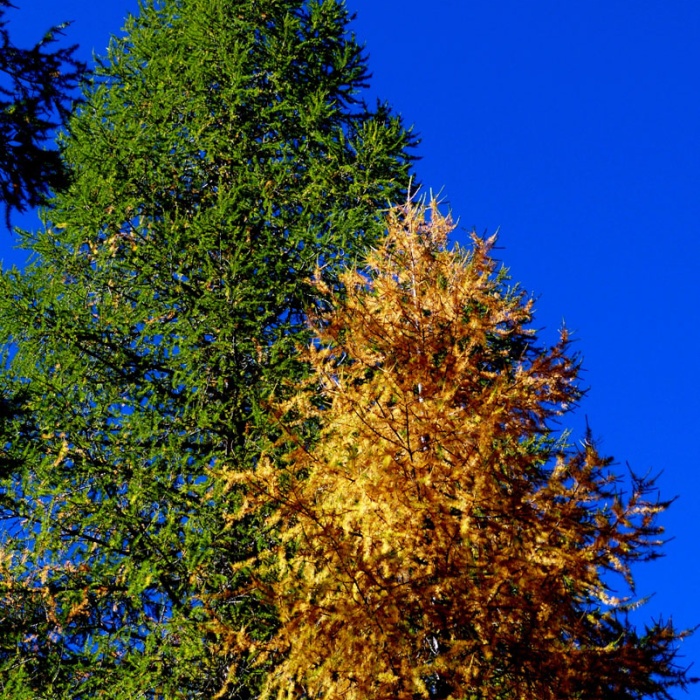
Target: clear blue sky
574,127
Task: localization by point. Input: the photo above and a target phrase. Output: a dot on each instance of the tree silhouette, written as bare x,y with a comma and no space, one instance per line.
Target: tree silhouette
35,99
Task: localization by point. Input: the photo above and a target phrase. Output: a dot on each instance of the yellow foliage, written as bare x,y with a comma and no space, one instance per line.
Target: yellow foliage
436,540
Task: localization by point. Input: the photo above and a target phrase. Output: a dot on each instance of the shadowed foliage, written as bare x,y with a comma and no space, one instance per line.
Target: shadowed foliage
36,94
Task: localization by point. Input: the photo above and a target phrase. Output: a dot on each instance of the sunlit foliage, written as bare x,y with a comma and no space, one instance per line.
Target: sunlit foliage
221,151
441,539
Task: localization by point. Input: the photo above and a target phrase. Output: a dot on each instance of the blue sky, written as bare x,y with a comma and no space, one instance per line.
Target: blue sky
574,128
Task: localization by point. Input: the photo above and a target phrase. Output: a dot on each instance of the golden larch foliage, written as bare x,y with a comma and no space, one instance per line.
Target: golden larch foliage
436,538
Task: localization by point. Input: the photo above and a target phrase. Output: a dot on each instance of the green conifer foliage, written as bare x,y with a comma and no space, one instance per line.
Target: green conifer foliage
222,152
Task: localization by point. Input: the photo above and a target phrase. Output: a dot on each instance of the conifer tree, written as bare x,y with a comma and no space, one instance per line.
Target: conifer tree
440,539
36,87
222,151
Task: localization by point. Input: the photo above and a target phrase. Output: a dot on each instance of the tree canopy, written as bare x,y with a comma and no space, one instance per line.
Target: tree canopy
221,151
441,539
35,98
258,439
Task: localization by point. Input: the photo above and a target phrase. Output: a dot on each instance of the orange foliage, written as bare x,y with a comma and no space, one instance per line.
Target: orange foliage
437,539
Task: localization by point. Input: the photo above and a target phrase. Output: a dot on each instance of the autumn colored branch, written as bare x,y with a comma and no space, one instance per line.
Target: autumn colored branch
438,537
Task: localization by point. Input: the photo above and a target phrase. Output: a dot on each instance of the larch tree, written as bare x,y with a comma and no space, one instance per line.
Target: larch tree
440,539
221,151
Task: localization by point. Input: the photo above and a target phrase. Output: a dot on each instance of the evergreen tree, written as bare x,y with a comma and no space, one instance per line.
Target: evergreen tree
222,152
35,99
440,540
